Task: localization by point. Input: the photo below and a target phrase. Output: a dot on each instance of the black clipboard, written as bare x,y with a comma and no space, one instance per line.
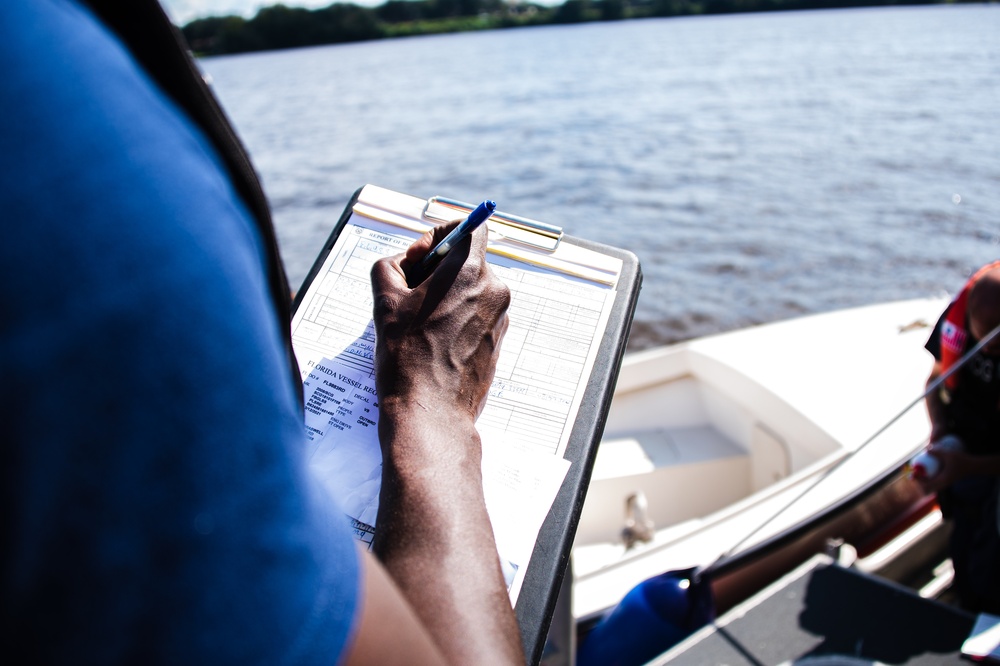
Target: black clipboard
550,558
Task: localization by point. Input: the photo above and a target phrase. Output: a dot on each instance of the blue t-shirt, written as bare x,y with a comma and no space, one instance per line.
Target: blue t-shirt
157,506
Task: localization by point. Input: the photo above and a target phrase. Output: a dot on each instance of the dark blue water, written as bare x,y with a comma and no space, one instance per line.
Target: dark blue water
761,166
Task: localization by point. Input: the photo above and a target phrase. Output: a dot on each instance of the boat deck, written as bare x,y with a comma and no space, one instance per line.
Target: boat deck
824,613
672,468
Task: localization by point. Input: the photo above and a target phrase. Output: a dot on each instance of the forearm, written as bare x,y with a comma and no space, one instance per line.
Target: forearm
435,540
958,465
936,409
436,353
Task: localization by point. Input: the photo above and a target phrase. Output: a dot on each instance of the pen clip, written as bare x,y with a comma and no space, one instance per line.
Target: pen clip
511,227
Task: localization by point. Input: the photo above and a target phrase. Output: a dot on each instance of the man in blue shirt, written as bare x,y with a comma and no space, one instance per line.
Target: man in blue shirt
157,507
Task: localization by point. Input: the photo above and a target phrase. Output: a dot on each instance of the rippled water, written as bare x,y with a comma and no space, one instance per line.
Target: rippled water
761,166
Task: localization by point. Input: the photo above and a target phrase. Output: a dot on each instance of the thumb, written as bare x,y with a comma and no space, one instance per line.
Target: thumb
387,275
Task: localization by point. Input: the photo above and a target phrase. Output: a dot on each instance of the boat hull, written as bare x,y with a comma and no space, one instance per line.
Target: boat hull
814,474
867,521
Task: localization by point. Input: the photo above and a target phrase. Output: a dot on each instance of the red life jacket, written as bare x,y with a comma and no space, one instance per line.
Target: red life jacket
953,332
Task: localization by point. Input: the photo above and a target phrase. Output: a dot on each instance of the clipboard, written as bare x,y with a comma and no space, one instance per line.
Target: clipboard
518,247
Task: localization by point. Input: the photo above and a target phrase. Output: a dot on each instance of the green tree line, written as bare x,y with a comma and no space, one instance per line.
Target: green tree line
282,27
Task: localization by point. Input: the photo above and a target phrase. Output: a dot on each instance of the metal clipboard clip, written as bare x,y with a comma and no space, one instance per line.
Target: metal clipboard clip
512,227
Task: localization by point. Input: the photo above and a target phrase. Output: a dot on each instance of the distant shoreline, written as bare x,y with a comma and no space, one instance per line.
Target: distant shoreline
283,27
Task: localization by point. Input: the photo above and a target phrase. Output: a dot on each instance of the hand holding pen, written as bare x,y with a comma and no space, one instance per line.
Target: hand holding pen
437,346
436,351
426,265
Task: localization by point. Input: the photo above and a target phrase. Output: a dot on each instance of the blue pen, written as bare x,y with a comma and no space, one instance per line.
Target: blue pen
458,234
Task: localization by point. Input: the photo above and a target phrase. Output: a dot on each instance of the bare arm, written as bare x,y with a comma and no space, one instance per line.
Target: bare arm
955,465
935,406
436,354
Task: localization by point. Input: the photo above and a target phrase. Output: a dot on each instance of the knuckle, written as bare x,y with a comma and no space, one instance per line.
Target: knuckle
499,294
384,305
505,295
378,270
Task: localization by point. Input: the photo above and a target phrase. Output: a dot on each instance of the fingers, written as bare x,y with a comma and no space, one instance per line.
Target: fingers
388,274
954,467
463,265
441,338
388,287
426,242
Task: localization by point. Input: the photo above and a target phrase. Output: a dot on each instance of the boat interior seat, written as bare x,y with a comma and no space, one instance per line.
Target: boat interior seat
684,473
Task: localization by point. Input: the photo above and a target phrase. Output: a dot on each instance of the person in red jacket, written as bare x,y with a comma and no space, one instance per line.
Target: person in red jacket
967,406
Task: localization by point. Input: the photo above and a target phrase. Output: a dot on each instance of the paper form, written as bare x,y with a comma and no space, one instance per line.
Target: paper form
519,488
547,354
556,324
341,420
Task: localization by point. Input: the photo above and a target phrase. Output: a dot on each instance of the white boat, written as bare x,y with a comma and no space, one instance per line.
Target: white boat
750,451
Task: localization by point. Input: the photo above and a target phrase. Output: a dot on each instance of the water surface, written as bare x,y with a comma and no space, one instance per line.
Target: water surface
761,166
